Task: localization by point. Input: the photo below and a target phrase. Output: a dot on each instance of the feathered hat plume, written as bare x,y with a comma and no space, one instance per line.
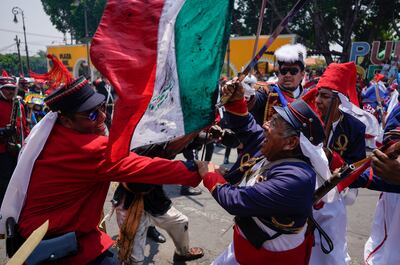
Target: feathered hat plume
57,76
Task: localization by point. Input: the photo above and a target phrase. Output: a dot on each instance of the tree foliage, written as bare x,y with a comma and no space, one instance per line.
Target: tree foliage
323,23
68,16
10,63
320,24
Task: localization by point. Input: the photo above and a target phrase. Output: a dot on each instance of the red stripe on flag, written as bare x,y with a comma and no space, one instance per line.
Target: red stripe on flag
124,49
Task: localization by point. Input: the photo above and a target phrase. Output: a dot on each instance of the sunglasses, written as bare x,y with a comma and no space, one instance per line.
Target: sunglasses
94,114
292,71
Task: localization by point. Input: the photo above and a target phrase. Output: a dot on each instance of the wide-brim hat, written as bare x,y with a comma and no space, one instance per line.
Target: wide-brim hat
303,119
77,96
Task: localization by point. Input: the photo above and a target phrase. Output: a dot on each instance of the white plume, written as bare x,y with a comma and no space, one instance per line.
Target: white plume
291,53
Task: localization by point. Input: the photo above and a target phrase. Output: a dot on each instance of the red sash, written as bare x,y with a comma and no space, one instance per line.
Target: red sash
246,254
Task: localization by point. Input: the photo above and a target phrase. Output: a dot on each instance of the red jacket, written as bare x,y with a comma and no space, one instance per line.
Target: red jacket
5,115
69,184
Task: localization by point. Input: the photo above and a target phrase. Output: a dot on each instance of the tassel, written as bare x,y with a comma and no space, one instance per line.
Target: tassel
128,230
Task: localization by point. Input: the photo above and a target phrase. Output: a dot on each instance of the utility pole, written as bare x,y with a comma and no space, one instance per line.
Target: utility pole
16,10
18,42
89,72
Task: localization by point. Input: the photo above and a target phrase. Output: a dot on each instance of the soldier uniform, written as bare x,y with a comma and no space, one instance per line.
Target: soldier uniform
274,200
262,103
347,143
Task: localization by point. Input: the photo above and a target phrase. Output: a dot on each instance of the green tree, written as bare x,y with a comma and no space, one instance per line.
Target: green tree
10,63
68,15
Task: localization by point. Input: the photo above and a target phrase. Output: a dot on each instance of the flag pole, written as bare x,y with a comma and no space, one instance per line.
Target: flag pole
259,27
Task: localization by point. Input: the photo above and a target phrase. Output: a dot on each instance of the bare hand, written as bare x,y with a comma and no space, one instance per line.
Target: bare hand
233,90
386,168
206,167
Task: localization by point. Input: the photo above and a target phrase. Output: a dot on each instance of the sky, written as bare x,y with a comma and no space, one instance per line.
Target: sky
40,31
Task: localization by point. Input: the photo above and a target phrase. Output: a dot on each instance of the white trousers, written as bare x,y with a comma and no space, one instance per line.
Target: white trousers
173,221
333,220
382,246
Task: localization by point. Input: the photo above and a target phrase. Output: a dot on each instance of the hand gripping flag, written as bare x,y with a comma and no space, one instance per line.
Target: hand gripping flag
164,58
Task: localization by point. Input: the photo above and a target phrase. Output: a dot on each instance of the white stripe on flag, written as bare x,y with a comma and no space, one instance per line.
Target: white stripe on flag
163,119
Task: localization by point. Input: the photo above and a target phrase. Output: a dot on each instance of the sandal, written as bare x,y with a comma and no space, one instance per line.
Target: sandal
192,254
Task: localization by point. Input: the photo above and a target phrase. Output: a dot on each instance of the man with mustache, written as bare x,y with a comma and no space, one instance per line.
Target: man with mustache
274,198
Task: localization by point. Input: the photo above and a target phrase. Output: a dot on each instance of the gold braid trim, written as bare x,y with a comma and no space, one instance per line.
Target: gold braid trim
128,230
341,144
272,101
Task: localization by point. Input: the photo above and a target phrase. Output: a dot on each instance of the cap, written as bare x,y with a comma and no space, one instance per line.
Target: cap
75,97
71,95
7,81
302,118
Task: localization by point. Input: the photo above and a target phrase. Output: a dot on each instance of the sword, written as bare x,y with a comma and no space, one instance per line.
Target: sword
29,245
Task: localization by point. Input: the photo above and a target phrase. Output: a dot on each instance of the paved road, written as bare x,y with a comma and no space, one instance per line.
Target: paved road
211,227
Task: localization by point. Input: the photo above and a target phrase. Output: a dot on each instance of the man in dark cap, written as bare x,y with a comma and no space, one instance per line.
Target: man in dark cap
64,162
274,199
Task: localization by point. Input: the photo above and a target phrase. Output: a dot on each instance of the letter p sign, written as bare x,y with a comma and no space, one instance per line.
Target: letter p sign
359,49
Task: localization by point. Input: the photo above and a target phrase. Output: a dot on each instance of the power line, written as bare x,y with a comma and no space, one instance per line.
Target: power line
14,50
33,34
6,47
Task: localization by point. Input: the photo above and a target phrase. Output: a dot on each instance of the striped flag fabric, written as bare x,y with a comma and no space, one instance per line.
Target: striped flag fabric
163,58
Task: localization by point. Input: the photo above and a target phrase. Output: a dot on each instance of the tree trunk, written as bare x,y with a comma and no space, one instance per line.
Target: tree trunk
321,38
351,16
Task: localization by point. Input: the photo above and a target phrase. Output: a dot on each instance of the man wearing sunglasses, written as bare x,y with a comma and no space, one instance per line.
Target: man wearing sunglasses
288,88
65,165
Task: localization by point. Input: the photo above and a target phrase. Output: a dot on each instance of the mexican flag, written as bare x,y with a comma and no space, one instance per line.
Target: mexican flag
163,58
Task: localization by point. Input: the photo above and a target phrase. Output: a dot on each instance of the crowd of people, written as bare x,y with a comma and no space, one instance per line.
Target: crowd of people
291,136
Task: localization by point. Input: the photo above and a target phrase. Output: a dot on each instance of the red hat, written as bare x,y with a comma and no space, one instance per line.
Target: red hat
4,73
7,81
341,77
379,77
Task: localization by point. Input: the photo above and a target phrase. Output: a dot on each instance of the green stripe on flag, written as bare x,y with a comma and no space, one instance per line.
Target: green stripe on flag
202,29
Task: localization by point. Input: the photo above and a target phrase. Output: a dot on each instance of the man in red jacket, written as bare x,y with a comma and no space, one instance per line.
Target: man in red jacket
8,157
70,176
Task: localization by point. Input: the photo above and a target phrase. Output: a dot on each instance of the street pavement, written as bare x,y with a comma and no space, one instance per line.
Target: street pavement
210,227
